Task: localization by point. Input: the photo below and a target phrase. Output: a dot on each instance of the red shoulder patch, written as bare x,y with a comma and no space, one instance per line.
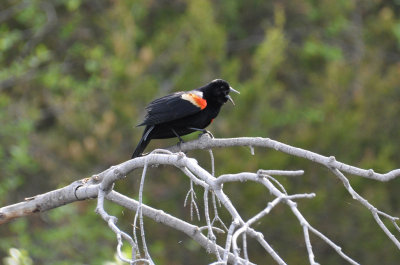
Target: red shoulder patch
196,100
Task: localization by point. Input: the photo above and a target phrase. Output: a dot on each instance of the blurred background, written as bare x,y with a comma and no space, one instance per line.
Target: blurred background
76,75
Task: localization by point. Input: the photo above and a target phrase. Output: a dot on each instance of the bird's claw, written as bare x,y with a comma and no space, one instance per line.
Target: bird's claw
206,132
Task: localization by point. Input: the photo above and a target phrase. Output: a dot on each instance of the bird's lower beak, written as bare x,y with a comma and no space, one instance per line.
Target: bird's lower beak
230,99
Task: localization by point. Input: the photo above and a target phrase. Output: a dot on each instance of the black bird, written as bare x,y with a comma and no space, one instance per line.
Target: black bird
182,113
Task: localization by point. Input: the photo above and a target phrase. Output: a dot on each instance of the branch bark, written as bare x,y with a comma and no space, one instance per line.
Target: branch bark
205,142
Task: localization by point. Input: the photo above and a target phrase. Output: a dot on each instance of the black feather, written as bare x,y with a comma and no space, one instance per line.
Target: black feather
168,108
144,141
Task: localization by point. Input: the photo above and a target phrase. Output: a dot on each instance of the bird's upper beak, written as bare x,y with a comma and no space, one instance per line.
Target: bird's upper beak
229,97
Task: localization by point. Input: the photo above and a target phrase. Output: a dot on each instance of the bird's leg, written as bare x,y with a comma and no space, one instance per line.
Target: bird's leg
204,131
180,139
177,135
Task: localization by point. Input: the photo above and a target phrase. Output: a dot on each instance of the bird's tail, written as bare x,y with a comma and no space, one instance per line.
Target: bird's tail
140,147
143,142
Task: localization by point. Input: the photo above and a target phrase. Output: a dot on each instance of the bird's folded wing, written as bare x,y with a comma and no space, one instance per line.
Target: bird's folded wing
173,107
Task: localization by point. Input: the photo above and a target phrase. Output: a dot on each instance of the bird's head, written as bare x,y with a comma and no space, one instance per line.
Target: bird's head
218,91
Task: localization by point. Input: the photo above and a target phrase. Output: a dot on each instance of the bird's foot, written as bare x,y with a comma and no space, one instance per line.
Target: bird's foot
206,132
181,141
203,131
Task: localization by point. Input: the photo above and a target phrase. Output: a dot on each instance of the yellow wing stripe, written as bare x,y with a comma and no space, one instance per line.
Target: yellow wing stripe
195,100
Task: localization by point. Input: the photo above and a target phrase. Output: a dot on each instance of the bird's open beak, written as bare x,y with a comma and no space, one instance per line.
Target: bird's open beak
229,97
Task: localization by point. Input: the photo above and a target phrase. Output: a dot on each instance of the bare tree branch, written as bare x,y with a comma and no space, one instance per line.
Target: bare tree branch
235,251
205,142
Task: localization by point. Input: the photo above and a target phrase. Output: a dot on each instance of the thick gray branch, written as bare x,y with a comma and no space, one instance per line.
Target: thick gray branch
44,202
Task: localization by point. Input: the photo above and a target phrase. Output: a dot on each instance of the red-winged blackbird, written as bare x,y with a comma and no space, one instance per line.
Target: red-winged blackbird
182,113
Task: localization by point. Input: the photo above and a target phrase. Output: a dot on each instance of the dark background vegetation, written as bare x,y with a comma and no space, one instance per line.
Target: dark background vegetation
76,75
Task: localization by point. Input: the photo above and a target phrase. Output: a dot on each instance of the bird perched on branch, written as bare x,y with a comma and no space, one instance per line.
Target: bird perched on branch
182,113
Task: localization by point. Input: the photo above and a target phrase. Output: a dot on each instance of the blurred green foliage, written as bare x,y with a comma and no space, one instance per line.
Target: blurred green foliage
75,77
